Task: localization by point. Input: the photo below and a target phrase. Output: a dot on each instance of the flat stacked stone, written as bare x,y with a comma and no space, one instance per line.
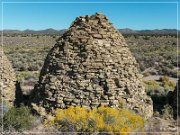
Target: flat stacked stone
7,80
89,66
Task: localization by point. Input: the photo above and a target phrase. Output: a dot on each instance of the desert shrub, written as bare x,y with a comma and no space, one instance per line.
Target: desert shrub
18,118
146,38
22,75
169,71
33,67
145,74
151,85
54,36
164,79
169,87
150,49
170,66
23,68
167,111
167,83
174,43
159,92
142,68
102,119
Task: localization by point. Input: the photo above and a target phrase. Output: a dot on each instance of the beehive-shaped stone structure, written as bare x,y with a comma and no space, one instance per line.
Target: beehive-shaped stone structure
91,65
7,80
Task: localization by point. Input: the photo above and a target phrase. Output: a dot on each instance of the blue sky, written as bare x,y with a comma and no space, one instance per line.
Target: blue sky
59,16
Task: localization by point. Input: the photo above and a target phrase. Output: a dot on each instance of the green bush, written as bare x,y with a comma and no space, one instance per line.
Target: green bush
18,118
33,67
151,85
167,83
22,75
164,79
167,111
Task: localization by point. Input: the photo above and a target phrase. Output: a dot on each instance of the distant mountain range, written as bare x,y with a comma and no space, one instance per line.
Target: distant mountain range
123,31
28,31
155,31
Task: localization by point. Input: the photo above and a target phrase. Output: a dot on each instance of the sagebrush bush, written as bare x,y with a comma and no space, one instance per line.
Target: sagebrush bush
167,111
167,83
151,85
164,79
102,119
33,67
18,118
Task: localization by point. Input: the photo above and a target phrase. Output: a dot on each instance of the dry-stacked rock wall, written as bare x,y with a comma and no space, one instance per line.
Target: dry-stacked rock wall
7,79
91,65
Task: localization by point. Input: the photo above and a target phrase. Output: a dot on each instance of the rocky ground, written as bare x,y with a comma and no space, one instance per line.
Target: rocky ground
166,126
